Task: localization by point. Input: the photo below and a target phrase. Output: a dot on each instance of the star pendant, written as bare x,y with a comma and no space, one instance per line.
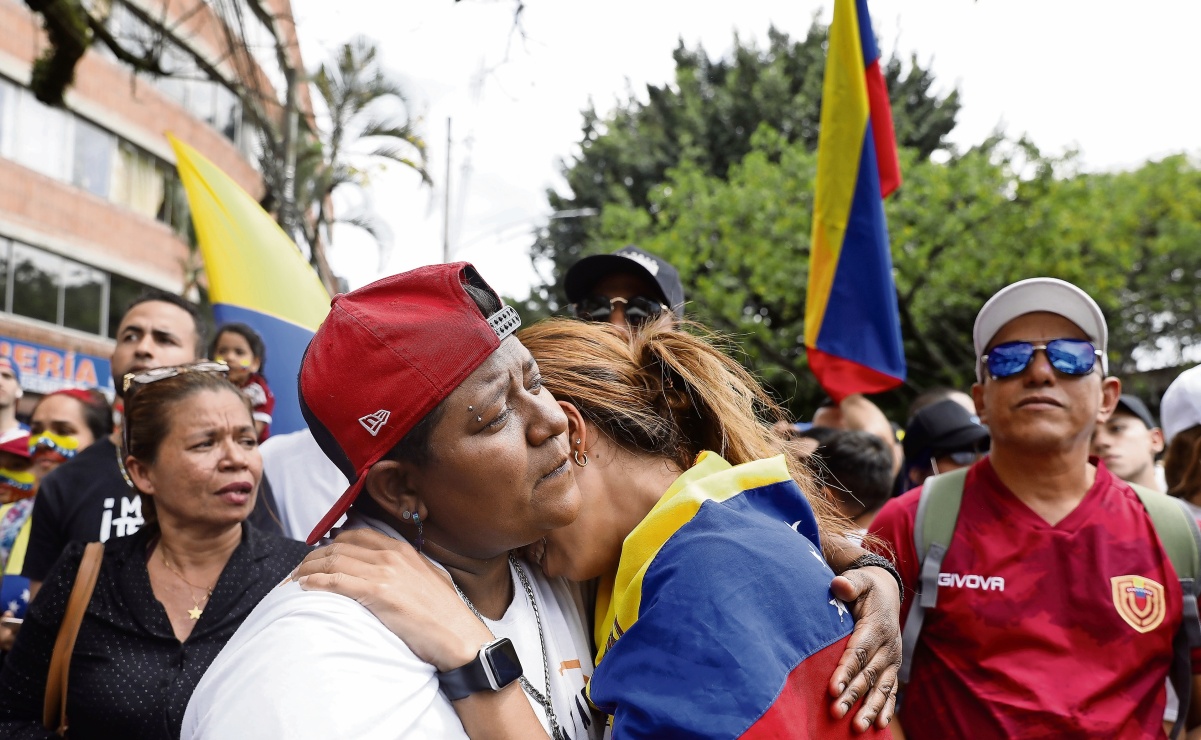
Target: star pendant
195,613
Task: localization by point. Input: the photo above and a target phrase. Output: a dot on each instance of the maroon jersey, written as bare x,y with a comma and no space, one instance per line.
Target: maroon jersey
1040,631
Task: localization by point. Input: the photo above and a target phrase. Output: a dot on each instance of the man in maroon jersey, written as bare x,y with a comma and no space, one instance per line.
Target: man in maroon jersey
1057,605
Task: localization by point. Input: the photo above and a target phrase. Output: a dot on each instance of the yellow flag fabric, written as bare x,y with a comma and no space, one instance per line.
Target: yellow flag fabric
249,259
256,276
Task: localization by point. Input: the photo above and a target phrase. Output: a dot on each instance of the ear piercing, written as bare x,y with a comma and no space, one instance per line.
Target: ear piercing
420,542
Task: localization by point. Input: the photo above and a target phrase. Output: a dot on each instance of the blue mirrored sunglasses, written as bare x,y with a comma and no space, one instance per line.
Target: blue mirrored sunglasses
1068,356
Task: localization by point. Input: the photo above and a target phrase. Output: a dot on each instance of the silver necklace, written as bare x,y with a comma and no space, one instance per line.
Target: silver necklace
534,693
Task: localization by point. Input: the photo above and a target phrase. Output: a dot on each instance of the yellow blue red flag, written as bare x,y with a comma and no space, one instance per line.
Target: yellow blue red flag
852,326
256,276
720,621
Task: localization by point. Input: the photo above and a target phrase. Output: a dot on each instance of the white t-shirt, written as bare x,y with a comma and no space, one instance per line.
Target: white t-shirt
309,664
304,481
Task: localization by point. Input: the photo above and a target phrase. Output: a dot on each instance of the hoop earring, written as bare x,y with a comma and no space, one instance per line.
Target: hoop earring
575,454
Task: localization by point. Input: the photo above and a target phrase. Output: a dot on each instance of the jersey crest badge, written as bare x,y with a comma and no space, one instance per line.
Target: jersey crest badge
1139,601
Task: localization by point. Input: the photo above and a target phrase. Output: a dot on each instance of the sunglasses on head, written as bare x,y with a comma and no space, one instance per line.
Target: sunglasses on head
162,373
638,309
1068,356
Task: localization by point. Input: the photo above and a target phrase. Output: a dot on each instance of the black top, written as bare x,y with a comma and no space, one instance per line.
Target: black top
130,677
86,499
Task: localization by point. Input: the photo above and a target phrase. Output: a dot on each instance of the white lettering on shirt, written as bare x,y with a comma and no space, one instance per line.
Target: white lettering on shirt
971,580
128,523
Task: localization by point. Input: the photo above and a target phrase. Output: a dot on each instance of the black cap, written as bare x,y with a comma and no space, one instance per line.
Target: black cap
943,427
586,273
1133,405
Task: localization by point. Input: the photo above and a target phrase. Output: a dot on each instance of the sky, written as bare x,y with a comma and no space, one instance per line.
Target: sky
1103,77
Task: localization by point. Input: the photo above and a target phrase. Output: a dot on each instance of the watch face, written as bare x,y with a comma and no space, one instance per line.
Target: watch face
503,663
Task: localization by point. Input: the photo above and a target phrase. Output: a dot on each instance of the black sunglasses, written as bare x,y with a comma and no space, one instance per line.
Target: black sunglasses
1068,356
638,309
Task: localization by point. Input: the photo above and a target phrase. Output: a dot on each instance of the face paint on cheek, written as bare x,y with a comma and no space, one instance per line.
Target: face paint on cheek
15,485
53,447
243,364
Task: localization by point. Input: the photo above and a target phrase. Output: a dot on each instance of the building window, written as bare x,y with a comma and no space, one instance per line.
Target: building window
5,275
71,149
137,183
42,137
83,298
63,292
8,102
36,283
121,292
94,150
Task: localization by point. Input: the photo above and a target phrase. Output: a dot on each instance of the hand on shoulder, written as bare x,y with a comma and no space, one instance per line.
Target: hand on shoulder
413,598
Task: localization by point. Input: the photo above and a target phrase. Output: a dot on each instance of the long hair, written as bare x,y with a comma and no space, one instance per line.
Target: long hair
668,392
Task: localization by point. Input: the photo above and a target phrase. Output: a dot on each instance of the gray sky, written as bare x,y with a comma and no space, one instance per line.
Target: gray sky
1115,80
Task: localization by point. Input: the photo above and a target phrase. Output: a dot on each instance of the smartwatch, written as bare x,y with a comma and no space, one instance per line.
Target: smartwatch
495,667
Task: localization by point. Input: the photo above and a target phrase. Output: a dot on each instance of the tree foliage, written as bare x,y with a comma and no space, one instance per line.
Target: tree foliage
960,229
716,175
707,118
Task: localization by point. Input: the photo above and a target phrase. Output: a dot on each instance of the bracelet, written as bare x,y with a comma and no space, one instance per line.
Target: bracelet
872,559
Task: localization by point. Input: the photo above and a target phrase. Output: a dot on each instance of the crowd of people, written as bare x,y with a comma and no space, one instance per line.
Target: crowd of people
596,525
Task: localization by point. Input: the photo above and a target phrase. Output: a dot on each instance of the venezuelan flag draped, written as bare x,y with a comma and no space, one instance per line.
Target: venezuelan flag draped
720,622
256,276
852,327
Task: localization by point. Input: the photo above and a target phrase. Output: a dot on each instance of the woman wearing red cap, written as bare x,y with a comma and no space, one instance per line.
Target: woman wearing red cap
416,389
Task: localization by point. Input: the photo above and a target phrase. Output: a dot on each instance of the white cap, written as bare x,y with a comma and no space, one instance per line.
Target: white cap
1040,294
1180,408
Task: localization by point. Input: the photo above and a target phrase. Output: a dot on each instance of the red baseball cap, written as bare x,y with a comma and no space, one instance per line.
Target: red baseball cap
15,442
386,355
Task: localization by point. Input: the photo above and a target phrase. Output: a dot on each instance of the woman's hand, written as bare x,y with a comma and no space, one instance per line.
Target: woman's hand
414,599
872,659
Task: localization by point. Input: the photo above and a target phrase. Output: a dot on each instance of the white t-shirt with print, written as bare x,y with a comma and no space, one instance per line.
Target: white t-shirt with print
310,664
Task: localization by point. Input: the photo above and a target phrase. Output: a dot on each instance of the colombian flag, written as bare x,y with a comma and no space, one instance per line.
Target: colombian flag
720,622
852,327
256,276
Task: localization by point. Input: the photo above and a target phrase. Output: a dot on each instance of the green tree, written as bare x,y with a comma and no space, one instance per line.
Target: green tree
707,118
960,230
367,128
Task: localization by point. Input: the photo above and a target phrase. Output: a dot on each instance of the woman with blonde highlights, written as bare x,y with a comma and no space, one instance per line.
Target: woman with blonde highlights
716,612
690,520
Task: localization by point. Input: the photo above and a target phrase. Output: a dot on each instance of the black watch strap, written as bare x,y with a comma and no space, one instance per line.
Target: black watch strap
495,667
